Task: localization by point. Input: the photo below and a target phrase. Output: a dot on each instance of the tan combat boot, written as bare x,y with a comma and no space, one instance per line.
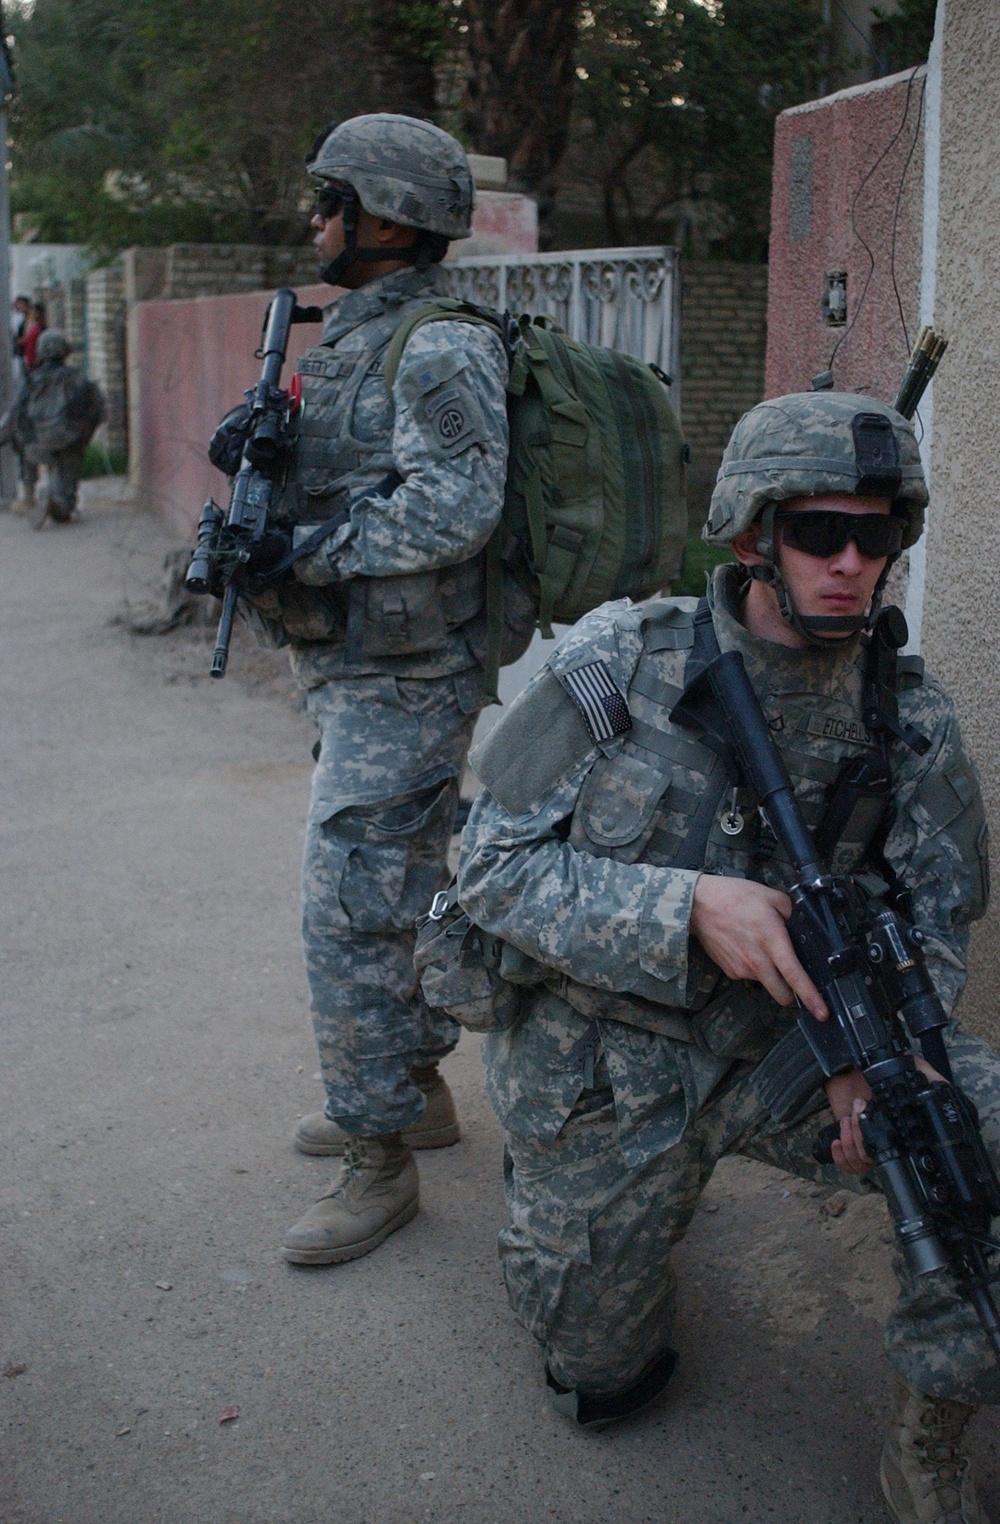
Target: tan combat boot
437,1128
925,1471
25,500
375,1192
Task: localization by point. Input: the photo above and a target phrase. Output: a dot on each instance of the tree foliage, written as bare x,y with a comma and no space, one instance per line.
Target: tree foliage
158,120
154,120
519,87
410,39
905,35
676,105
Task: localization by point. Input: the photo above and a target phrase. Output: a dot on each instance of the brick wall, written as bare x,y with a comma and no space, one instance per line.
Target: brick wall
65,309
206,269
106,346
723,346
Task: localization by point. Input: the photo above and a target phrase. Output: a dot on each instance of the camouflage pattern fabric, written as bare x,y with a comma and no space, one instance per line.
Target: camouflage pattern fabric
612,1130
383,805
64,481
395,727
443,430
586,1253
402,168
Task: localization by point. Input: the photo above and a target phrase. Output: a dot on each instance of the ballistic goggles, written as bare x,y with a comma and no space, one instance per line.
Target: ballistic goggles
824,532
329,200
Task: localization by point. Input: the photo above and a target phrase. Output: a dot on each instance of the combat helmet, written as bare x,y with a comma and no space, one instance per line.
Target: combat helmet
400,168
52,345
803,445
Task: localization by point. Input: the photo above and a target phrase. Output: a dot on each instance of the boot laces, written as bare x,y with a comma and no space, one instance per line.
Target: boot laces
939,1446
355,1156
353,1164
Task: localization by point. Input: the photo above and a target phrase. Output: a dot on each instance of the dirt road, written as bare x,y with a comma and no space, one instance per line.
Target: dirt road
156,1052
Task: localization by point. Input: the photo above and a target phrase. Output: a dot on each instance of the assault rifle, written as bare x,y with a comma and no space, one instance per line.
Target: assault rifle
226,540
867,961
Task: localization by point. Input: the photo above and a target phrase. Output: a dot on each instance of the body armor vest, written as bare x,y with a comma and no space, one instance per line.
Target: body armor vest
663,797
343,450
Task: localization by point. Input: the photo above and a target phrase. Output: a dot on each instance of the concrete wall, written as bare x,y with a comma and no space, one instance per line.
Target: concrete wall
961,594
191,349
189,361
105,320
848,170
840,165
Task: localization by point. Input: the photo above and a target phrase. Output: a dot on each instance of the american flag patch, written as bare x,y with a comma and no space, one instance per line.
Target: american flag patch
600,702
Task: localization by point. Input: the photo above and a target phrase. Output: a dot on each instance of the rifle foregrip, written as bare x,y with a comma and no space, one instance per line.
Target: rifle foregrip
822,1149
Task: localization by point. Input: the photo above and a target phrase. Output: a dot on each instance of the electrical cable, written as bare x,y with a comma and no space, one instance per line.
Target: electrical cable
854,205
895,215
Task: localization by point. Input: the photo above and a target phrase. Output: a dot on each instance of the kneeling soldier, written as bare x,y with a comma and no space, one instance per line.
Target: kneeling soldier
611,856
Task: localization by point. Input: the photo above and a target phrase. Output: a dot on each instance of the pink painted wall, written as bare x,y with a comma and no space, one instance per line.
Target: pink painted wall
191,360
839,165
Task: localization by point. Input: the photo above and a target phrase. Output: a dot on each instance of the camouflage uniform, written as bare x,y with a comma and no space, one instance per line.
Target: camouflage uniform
630,1071
71,409
387,628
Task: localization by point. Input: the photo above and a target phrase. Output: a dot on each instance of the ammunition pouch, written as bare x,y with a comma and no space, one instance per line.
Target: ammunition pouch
465,970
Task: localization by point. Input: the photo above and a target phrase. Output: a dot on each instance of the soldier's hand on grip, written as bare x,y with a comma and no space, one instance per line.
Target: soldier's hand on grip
741,925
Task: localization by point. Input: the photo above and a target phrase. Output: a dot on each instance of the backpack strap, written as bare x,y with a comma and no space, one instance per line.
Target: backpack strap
443,309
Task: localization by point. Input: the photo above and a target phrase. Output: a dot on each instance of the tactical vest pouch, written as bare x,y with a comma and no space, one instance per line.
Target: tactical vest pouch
401,615
462,968
737,1022
296,612
616,810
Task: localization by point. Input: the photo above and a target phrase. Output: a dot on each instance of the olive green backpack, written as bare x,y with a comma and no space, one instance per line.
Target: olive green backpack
594,505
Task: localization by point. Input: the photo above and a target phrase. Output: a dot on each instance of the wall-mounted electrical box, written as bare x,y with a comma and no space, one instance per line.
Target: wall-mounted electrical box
835,299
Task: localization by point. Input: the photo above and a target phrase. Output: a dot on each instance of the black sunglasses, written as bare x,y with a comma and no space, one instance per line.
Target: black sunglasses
824,532
329,200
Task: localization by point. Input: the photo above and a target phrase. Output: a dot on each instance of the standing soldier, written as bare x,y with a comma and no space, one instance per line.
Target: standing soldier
642,902
386,622
50,423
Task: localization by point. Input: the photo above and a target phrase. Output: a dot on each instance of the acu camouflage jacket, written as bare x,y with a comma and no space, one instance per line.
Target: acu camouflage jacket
575,850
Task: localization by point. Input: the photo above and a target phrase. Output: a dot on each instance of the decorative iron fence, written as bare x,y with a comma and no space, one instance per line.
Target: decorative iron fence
627,299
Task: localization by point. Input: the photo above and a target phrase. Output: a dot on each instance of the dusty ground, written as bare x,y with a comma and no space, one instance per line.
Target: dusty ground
156,1052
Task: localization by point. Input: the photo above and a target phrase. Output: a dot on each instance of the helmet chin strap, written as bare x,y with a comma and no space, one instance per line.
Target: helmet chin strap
333,272
816,629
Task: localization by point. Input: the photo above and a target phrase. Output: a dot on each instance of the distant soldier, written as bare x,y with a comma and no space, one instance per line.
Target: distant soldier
50,424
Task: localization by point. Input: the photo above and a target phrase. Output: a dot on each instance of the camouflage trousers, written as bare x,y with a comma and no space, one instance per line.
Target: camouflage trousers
586,1252
62,481
384,796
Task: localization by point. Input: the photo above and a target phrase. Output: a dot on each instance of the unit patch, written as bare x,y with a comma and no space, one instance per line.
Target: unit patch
448,414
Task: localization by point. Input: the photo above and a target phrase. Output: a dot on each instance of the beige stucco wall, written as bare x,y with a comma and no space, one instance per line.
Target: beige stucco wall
961,611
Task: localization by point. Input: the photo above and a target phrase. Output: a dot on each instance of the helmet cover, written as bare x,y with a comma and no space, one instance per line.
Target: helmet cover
403,169
52,345
810,443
